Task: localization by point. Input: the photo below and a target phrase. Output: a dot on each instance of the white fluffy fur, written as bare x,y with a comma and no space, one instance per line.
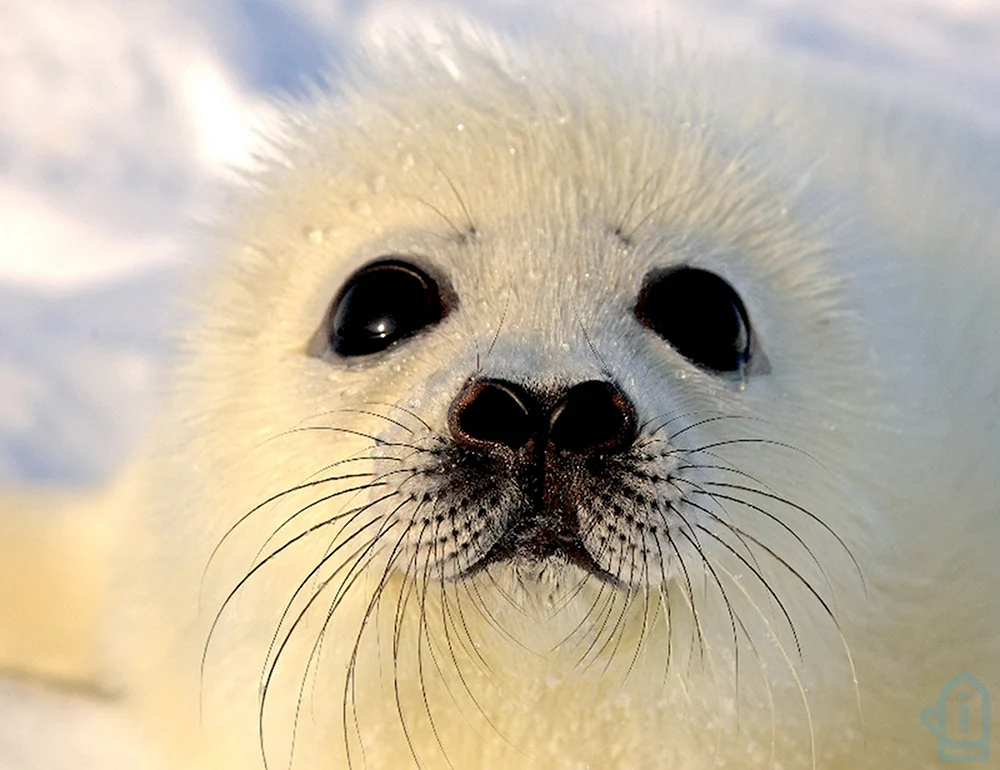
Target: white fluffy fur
865,248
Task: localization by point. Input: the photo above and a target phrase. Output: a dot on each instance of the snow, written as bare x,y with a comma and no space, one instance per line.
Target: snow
118,120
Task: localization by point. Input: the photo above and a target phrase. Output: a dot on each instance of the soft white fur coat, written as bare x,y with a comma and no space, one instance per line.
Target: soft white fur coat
865,243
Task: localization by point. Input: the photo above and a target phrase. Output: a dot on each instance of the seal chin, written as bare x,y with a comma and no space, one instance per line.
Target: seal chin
537,542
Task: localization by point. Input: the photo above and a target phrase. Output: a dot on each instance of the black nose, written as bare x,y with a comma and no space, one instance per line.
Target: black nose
593,416
492,412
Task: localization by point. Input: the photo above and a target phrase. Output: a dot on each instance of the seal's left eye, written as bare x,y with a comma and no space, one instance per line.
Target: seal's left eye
699,314
381,304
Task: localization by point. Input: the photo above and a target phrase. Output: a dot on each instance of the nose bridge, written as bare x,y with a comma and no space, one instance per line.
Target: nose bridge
542,300
543,357
543,316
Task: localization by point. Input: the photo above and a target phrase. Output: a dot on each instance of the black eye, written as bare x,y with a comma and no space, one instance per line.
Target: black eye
381,304
699,314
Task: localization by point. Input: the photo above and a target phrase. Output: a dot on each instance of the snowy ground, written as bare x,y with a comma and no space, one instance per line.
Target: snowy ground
118,119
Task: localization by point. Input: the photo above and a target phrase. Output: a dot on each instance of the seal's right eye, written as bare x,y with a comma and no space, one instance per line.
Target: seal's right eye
381,304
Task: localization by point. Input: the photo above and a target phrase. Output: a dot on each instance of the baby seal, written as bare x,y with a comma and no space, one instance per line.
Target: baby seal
552,410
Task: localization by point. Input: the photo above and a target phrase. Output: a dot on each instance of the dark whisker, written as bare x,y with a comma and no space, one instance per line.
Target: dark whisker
469,224
496,336
667,420
665,600
605,369
350,692
619,628
619,230
350,432
331,552
724,468
653,211
720,496
409,583
270,670
377,414
271,499
606,615
706,421
763,581
645,610
356,558
760,441
378,481
259,566
423,632
687,577
448,220
406,411
713,515
790,504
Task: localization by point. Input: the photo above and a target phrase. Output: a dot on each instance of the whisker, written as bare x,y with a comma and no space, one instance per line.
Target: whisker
469,224
619,631
665,602
409,583
619,228
448,220
656,209
270,670
423,632
790,504
713,515
645,611
606,615
331,552
789,664
406,411
378,481
370,413
724,468
356,558
452,653
760,577
720,496
271,499
706,421
815,594
350,681
256,569
496,336
689,588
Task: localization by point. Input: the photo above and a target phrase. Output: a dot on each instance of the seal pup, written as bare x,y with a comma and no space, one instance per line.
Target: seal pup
561,409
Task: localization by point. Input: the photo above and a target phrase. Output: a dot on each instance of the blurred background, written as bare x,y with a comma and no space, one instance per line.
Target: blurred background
120,120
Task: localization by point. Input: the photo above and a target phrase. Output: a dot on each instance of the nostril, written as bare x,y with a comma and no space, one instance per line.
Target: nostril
593,416
491,412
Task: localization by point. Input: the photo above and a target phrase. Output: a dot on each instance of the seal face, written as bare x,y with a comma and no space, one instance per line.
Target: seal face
554,449
612,444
